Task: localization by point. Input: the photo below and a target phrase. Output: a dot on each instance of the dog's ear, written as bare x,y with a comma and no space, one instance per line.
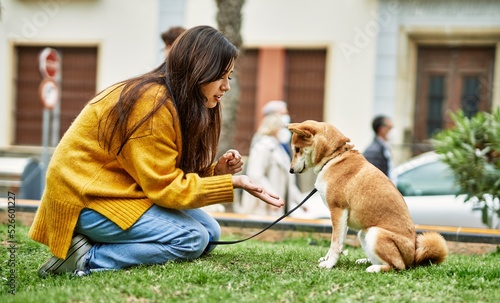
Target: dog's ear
306,129
334,137
298,129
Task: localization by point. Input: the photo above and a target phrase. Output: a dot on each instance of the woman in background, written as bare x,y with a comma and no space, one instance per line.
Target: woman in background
269,164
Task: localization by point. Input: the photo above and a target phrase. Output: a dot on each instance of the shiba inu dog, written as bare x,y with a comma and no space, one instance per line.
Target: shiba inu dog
362,198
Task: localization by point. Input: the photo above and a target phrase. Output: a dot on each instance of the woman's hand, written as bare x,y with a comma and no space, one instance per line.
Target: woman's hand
255,190
229,163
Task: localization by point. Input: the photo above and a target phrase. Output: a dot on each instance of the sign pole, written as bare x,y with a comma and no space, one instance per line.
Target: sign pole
56,115
49,93
45,149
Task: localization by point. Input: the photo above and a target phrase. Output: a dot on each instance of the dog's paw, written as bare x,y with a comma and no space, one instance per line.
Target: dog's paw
328,264
378,268
328,261
374,268
363,261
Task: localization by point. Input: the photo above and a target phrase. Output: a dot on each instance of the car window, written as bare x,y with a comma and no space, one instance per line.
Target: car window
434,178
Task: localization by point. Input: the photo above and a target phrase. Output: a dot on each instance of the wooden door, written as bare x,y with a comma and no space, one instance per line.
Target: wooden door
449,79
305,83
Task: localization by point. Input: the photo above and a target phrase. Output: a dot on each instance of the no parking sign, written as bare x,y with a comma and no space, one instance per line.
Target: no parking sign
50,68
49,93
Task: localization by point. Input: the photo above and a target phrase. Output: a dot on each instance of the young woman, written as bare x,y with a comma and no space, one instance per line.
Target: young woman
125,183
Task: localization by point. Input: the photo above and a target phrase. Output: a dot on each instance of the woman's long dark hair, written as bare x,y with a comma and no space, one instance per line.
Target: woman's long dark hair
199,56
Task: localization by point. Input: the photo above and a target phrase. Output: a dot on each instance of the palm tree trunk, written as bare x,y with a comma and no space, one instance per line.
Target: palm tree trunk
229,23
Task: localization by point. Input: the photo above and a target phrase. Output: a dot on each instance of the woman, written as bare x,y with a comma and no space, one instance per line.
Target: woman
126,181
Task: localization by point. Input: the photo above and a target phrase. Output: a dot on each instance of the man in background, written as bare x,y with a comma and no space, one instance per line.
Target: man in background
378,152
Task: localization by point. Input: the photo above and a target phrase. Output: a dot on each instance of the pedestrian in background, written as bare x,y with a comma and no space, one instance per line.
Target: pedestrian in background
170,35
280,108
378,152
269,164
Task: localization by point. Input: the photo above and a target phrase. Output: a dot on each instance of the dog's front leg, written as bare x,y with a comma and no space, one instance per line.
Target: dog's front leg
339,231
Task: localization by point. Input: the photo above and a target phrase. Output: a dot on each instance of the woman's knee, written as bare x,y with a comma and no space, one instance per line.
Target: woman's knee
215,232
192,245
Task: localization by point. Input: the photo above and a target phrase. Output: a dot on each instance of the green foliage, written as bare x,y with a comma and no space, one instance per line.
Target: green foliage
255,271
472,150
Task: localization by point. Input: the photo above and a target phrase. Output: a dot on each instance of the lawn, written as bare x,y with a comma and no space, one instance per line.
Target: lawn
252,271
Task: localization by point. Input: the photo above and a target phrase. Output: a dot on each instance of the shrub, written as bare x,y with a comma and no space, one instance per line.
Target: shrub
472,150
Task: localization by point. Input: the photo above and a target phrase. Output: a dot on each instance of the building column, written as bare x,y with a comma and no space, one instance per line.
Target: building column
270,78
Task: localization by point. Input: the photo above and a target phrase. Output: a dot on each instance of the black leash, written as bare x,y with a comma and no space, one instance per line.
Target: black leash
272,224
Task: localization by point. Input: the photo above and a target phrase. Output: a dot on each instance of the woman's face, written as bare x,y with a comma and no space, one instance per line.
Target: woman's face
214,91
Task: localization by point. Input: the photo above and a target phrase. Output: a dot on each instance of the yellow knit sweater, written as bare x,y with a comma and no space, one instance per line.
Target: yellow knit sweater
81,174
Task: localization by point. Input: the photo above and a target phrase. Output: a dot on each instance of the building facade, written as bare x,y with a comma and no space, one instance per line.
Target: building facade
340,61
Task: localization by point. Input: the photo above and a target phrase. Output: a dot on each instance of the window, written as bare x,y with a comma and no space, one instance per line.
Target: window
449,79
434,178
470,96
435,100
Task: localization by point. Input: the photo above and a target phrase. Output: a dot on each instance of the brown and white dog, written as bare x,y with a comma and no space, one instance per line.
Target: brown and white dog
362,198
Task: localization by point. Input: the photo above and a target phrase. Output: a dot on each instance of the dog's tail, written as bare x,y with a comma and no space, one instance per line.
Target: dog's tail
431,248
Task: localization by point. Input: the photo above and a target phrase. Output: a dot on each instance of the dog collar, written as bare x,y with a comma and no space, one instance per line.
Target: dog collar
332,157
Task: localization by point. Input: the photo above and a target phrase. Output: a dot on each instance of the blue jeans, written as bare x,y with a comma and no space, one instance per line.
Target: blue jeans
160,235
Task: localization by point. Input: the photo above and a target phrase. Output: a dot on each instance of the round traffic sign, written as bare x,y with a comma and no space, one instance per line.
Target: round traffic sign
49,93
50,63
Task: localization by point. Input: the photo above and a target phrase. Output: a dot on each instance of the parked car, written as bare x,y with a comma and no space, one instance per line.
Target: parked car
433,198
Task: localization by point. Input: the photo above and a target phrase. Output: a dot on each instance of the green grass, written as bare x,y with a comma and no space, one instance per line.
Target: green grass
253,271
